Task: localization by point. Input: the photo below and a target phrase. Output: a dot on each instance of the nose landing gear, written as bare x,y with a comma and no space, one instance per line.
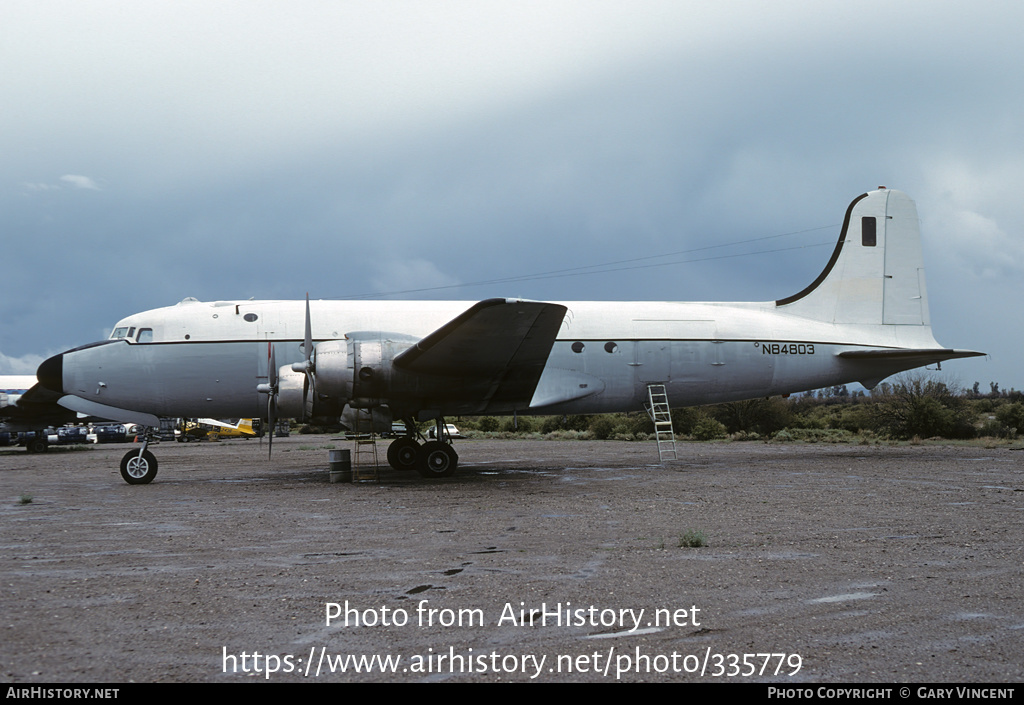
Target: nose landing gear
138,467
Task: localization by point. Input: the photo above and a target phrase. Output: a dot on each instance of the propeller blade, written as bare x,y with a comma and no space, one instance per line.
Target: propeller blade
308,341
270,389
308,394
271,421
307,346
271,400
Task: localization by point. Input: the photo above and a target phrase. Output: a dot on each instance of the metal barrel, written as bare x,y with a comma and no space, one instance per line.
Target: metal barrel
341,465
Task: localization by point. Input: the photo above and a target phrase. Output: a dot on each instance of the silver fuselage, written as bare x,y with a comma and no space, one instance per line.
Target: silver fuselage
206,359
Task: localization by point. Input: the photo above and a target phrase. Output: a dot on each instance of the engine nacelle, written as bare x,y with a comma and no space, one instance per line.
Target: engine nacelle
289,394
363,420
355,371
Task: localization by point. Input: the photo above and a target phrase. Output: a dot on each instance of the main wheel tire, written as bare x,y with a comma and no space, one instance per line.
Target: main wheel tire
37,445
404,453
138,470
437,459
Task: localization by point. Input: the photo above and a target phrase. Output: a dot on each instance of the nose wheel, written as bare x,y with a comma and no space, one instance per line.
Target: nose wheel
138,468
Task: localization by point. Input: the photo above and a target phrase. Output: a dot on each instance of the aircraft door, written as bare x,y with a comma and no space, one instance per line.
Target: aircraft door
653,361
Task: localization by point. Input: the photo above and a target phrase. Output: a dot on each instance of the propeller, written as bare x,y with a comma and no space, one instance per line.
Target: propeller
270,389
307,367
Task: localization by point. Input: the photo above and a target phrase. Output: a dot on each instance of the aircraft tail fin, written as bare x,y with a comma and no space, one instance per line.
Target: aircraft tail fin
876,272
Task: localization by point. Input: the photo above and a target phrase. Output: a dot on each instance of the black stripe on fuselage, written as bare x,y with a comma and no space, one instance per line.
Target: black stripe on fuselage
284,341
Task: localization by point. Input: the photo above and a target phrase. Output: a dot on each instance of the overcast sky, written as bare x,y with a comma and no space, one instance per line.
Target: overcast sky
151,151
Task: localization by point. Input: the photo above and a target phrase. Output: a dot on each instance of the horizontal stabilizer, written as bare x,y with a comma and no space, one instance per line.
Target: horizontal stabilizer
927,355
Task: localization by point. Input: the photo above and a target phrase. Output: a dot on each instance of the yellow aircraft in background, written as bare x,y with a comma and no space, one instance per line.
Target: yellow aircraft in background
213,429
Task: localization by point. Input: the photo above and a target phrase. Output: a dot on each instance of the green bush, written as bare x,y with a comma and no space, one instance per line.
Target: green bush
918,406
518,425
602,427
1012,417
488,424
708,429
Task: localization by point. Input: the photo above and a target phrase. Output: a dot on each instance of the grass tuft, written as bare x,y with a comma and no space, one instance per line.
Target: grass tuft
693,539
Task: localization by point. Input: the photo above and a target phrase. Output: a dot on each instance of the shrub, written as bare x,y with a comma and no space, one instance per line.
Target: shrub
518,425
602,427
918,406
488,424
708,429
684,419
693,539
757,415
1011,416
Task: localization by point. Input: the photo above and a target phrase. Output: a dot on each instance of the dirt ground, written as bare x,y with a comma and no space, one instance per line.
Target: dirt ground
823,563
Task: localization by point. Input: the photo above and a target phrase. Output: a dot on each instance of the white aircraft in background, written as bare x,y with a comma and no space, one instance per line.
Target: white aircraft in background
25,406
864,318
12,387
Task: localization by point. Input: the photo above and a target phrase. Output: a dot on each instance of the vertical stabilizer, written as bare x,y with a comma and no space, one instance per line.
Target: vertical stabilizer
876,273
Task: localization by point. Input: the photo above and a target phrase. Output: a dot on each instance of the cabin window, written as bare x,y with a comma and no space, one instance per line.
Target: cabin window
868,233
577,347
611,347
250,317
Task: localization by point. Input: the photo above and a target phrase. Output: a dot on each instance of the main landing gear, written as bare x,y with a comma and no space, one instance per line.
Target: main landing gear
431,459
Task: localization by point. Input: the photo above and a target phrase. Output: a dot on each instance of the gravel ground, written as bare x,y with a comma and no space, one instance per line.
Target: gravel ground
847,563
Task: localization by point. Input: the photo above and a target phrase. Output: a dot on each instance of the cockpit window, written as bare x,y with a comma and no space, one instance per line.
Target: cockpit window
128,333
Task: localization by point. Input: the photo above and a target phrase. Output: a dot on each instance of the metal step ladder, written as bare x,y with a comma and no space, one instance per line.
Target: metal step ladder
661,415
365,460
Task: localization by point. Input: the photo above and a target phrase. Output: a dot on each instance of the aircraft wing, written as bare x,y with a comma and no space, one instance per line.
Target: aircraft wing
218,423
37,408
499,344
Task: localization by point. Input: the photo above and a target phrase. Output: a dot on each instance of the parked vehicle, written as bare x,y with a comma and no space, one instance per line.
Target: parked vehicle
449,430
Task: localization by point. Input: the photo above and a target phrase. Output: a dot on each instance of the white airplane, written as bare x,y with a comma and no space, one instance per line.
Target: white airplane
12,387
864,318
26,406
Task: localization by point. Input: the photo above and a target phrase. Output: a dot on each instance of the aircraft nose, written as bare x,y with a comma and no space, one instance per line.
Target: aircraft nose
51,373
